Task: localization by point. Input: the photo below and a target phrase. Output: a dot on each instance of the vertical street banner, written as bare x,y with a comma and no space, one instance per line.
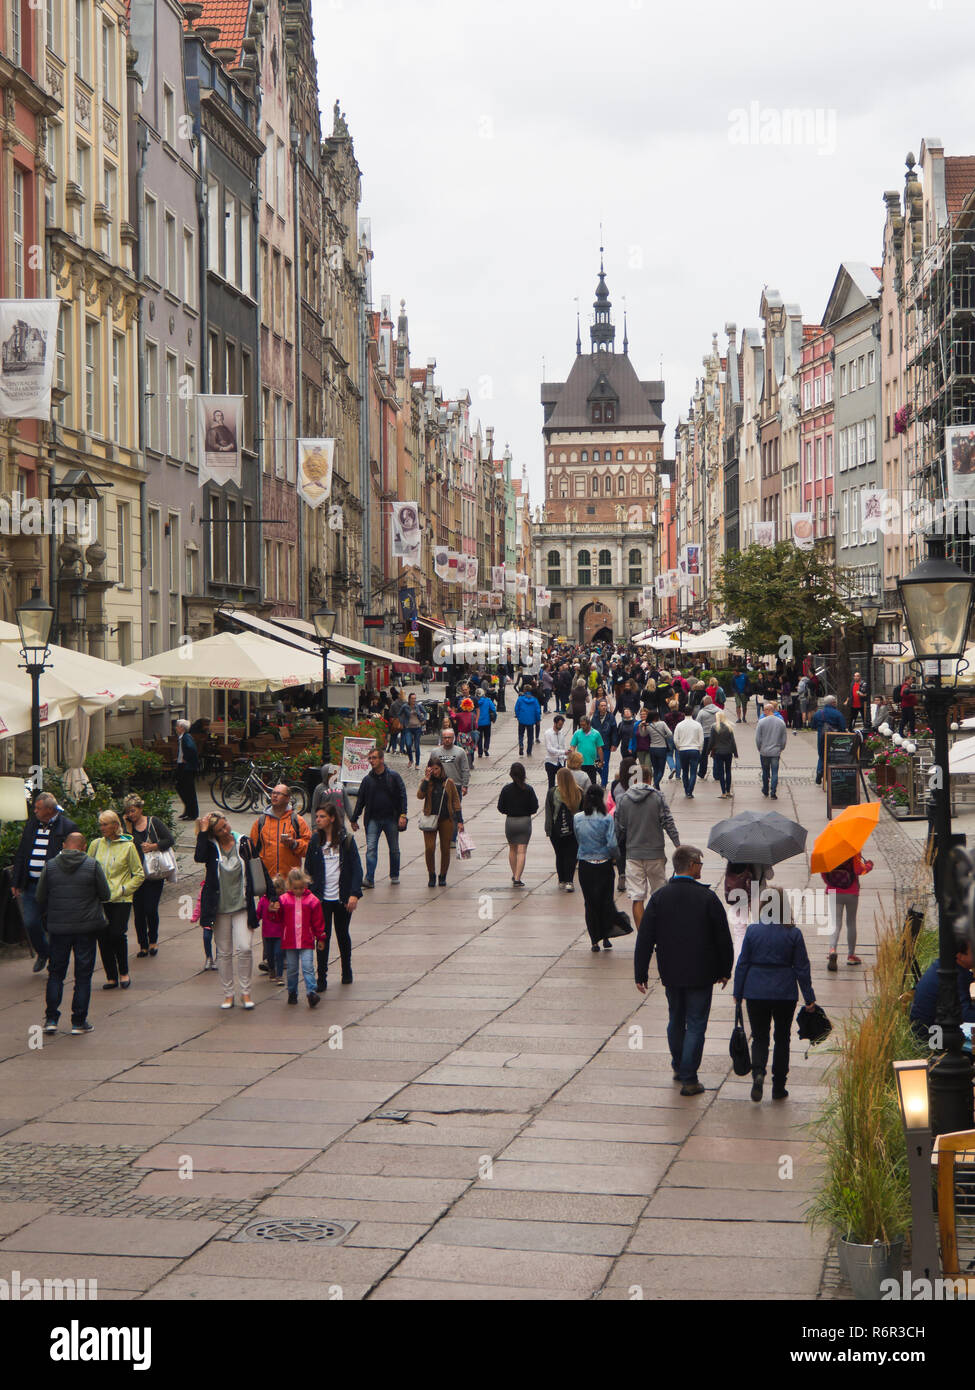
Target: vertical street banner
684,580
441,562
407,532
803,530
28,342
661,584
315,459
960,455
497,578
673,583
355,760
764,532
872,504
471,567
693,560
453,567
219,425
521,584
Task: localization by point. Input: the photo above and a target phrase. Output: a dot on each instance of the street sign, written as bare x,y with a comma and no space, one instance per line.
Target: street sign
409,640
374,620
889,649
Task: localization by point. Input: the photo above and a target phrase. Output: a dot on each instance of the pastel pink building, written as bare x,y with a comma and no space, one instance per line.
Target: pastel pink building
816,430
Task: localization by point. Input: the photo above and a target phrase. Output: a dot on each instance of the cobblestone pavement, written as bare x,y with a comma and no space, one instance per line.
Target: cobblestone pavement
542,1149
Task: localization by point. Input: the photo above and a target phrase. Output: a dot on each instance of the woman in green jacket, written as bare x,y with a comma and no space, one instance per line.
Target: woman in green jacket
120,859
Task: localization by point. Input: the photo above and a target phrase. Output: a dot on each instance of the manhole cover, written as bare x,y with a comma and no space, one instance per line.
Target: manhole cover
318,1232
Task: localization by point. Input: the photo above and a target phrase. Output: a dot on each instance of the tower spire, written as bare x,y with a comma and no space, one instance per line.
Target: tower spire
602,332
626,341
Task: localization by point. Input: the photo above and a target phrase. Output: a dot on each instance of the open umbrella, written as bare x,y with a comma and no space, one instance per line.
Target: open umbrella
844,837
757,837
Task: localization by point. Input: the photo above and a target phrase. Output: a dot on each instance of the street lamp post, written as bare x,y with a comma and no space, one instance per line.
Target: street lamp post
869,617
938,598
34,620
912,1098
324,621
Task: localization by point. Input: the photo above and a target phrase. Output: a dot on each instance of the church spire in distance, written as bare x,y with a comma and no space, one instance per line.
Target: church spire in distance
602,333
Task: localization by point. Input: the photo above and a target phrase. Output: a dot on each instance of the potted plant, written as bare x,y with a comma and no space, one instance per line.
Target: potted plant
864,1195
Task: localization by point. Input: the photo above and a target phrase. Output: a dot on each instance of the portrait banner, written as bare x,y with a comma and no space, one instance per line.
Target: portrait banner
764,533
28,343
315,459
407,532
803,530
497,577
960,455
219,422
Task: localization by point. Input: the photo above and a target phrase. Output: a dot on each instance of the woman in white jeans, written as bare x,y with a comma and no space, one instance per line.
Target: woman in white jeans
227,903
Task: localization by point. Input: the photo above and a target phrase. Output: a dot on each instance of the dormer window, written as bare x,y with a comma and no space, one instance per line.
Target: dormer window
597,414
610,413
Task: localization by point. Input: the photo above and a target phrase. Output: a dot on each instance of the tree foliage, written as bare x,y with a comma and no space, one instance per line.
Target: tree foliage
779,600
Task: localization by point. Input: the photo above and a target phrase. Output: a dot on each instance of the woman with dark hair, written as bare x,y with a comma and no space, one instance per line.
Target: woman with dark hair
517,803
595,833
227,901
335,870
441,799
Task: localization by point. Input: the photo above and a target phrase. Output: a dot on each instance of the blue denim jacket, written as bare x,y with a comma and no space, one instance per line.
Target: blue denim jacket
596,836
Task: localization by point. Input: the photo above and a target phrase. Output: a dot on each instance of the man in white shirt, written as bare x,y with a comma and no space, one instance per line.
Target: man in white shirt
689,742
555,748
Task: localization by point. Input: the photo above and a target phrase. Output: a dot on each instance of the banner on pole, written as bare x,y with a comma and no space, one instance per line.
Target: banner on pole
28,342
219,424
315,459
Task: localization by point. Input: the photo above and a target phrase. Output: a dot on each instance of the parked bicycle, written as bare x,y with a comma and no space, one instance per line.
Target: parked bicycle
248,788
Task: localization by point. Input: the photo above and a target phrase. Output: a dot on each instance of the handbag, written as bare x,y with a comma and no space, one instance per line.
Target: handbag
741,1058
431,821
465,845
160,863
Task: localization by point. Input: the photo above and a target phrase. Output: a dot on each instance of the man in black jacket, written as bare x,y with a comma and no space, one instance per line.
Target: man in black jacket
382,796
72,889
187,766
688,925
44,836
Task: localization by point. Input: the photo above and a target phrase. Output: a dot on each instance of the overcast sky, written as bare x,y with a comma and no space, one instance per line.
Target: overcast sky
494,137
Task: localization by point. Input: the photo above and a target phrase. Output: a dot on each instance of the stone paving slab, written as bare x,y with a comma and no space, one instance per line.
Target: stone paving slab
224,1158
531,1269
109,1271
562,1237
715,1274
397,1289
766,1239
324,1264
90,1234
207,1289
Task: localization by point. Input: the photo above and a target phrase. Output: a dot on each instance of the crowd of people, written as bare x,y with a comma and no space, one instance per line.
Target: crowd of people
290,885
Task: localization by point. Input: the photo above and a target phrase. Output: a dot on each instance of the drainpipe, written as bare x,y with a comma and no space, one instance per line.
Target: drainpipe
142,146
364,480
299,393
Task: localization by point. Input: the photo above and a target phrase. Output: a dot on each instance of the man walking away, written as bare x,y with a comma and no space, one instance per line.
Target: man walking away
528,713
771,736
456,766
43,837
689,743
187,766
829,717
382,796
642,817
687,925
706,715
72,889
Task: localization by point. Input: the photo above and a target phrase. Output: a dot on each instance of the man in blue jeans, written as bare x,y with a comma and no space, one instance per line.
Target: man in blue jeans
42,839
688,926
382,796
771,737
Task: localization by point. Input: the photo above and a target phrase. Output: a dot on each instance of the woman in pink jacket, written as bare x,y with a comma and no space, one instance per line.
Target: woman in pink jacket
302,927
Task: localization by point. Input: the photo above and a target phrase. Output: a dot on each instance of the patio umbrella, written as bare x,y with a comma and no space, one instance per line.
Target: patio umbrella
237,661
74,678
844,837
57,702
757,837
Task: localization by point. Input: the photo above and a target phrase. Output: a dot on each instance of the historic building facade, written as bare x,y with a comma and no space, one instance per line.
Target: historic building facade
603,438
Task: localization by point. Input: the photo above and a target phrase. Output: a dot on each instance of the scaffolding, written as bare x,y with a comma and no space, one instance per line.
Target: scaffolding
939,326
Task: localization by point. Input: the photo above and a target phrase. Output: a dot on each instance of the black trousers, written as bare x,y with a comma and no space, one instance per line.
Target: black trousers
83,946
339,917
566,848
186,786
113,941
762,1014
598,882
145,906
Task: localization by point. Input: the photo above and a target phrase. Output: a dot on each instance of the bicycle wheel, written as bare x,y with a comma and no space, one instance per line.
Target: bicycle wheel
238,794
299,797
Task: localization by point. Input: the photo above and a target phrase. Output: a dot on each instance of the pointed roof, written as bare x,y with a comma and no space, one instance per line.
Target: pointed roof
603,376
230,17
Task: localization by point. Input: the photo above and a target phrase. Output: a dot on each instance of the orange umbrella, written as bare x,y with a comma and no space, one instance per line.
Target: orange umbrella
844,837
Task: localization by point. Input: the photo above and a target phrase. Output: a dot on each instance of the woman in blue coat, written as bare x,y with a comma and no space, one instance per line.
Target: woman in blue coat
772,968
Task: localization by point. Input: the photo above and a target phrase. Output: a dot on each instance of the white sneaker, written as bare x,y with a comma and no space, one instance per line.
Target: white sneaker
570,888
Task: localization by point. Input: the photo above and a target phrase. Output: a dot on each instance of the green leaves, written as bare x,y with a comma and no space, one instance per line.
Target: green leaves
779,597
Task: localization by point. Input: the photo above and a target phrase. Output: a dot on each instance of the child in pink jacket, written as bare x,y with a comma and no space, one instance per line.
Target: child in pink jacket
269,916
302,927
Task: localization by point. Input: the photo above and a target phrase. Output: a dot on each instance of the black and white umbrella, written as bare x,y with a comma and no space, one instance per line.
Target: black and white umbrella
757,837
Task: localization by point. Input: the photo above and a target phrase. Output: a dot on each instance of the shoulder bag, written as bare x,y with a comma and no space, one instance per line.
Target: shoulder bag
741,1059
160,863
431,821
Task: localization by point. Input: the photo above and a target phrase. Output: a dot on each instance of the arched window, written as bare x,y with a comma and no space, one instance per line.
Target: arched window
619,455
605,567
563,486
648,486
585,455
609,485
584,568
573,457
636,567
562,458
635,485
595,455
595,487
632,455
555,569
610,414
622,486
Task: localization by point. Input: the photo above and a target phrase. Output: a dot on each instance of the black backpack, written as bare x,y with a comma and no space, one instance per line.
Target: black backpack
562,822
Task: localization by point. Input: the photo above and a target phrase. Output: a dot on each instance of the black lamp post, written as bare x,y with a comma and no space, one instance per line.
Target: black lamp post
938,598
869,618
324,621
34,619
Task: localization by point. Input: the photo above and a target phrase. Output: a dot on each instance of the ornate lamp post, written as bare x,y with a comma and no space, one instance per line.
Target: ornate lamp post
869,618
34,619
324,621
938,598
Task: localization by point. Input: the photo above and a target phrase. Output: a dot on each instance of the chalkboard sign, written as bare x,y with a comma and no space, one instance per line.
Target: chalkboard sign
842,787
842,747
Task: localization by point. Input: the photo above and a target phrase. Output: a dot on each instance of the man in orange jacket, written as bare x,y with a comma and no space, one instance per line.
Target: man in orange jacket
280,836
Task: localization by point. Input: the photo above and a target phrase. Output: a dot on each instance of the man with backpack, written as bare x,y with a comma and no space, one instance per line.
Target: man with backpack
642,817
279,836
